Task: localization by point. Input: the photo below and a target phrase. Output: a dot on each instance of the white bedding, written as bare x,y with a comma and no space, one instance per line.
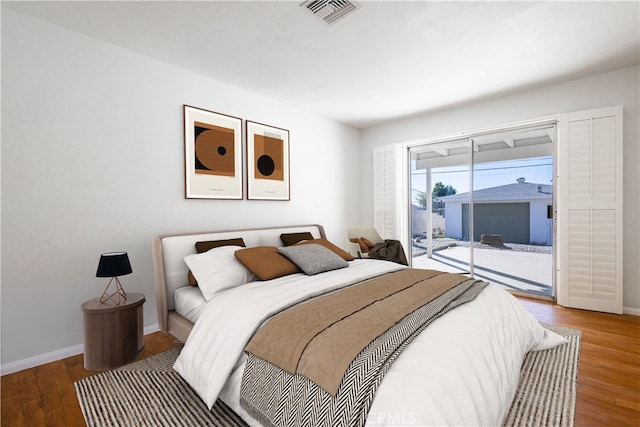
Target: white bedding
462,370
189,302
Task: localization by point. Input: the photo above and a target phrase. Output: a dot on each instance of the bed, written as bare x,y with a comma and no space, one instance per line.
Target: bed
460,368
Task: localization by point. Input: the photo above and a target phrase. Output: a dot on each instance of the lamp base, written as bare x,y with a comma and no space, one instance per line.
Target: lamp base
118,296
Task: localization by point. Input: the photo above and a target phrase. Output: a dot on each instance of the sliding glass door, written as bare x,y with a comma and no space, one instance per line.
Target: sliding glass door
483,206
438,171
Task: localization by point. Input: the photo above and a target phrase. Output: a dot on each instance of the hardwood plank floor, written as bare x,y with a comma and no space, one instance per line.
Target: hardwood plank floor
608,391
45,396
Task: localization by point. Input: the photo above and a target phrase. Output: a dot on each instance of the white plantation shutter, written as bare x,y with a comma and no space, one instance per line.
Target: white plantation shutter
590,210
386,194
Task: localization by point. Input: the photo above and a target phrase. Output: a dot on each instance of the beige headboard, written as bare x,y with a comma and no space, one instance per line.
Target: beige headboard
170,270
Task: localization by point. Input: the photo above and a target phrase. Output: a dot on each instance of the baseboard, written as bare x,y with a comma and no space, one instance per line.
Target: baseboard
32,362
631,310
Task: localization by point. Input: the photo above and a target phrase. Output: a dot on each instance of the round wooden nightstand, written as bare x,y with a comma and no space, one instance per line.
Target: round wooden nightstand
113,334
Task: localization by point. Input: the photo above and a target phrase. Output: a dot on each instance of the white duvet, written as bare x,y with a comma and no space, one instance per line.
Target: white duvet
462,370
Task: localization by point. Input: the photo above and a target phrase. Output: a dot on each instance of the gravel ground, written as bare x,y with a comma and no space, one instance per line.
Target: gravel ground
445,243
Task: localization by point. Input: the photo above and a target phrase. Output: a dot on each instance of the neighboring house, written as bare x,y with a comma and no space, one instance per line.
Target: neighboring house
519,212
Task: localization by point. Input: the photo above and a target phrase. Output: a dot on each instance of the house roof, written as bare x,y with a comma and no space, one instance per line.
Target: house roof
519,191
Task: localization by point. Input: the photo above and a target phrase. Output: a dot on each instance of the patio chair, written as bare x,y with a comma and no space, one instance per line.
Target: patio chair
369,233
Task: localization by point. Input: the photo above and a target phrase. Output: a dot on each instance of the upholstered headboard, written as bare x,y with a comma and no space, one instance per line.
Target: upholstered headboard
170,270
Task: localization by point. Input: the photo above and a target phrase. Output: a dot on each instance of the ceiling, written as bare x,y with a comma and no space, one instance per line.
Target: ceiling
388,59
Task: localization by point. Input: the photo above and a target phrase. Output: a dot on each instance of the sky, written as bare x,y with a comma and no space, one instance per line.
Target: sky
537,170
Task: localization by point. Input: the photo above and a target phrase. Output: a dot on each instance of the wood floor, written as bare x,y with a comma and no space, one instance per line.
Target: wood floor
45,396
609,370
608,379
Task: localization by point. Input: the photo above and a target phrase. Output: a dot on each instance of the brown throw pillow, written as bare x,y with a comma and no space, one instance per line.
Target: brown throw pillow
327,244
290,239
191,279
367,242
363,246
210,244
265,262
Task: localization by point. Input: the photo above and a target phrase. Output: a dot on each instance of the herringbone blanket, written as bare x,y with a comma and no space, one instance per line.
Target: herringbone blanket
320,337
276,397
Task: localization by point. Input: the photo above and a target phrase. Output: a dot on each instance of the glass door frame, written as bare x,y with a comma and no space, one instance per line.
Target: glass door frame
550,123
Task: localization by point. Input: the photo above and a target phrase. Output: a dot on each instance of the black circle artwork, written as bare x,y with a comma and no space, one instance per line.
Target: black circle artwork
214,151
266,165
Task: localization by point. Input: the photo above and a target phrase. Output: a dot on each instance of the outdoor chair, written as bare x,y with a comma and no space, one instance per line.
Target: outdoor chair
369,233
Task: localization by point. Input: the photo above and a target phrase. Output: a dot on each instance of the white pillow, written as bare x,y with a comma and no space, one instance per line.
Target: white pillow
218,269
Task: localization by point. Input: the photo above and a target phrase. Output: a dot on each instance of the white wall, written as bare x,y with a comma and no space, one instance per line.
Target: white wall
454,224
92,161
613,88
540,231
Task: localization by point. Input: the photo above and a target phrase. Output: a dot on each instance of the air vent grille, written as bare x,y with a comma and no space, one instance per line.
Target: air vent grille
330,10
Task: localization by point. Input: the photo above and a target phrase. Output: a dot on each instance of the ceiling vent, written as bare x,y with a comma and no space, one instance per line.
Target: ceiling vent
330,10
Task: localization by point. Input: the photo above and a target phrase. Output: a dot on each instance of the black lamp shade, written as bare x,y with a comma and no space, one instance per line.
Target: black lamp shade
113,264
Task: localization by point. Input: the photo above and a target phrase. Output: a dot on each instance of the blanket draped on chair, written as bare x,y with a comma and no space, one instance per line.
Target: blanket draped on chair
389,250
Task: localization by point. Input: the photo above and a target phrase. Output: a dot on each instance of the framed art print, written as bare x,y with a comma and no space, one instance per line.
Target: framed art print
213,155
267,162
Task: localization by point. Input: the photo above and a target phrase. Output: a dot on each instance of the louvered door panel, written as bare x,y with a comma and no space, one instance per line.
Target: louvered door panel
604,253
389,195
579,245
590,210
579,168
378,189
603,182
592,245
385,196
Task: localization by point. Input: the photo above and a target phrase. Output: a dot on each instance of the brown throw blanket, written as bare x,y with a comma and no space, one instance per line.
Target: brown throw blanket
321,337
320,362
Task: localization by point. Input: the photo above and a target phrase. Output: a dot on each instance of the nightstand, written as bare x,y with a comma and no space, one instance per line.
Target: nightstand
113,334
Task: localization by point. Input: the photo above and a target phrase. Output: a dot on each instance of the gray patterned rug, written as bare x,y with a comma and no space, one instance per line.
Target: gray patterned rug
546,394
150,393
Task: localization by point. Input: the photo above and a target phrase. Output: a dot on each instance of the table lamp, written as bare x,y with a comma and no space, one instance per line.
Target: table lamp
114,264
